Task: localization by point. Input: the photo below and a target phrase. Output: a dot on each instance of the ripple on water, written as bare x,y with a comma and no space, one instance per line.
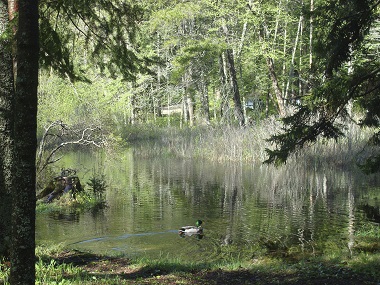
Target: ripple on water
154,245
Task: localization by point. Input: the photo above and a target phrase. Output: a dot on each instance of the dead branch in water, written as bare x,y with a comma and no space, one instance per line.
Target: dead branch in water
58,135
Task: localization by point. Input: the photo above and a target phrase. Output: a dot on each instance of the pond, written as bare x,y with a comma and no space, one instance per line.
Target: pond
246,209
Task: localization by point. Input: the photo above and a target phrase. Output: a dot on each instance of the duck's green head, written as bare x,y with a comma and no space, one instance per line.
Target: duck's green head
198,223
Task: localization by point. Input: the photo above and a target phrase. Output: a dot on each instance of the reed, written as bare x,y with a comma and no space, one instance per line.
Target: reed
222,144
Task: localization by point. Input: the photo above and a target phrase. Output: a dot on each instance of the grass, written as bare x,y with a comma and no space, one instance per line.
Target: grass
223,143
57,265
370,231
88,199
83,202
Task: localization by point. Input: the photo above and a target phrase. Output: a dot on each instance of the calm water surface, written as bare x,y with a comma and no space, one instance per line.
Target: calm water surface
245,208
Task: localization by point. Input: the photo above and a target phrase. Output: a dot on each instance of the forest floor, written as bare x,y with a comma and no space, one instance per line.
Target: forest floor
98,269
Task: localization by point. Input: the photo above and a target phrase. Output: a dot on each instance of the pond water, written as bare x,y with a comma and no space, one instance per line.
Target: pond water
245,208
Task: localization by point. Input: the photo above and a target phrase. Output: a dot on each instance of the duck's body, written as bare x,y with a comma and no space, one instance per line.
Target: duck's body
191,230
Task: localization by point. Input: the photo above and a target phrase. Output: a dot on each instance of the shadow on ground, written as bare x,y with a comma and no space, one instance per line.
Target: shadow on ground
115,268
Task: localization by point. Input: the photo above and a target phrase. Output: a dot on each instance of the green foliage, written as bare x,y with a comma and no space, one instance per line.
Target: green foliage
202,54
368,230
106,28
4,270
54,273
299,131
98,185
324,111
54,51
104,102
91,199
176,43
371,164
345,24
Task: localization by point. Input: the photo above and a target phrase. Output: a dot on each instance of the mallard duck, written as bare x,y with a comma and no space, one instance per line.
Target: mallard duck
191,230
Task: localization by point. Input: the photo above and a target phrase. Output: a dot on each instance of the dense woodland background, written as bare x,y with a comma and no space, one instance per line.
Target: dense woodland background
220,63
108,65
224,62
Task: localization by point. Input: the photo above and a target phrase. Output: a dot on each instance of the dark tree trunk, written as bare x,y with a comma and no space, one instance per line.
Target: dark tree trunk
25,128
6,127
239,114
204,99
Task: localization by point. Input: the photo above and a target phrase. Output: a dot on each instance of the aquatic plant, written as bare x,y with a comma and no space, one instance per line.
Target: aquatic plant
98,185
90,198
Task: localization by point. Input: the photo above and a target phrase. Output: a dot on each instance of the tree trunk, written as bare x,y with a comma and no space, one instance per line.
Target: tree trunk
185,109
6,127
133,111
190,106
204,99
238,110
12,13
311,34
157,99
223,83
277,90
25,127
291,69
235,88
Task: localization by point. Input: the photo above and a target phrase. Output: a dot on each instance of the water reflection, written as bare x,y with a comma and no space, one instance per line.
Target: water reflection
65,217
197,236
245,208
371,212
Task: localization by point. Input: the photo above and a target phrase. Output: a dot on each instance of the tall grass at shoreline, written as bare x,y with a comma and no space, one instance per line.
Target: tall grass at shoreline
233,144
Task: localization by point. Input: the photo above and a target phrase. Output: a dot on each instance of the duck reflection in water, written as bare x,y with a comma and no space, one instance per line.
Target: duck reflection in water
196,230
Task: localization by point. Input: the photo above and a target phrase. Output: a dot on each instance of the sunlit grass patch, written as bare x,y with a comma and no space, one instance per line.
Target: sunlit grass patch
369,230
45,251
167,264
4,270
367,240
54,273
